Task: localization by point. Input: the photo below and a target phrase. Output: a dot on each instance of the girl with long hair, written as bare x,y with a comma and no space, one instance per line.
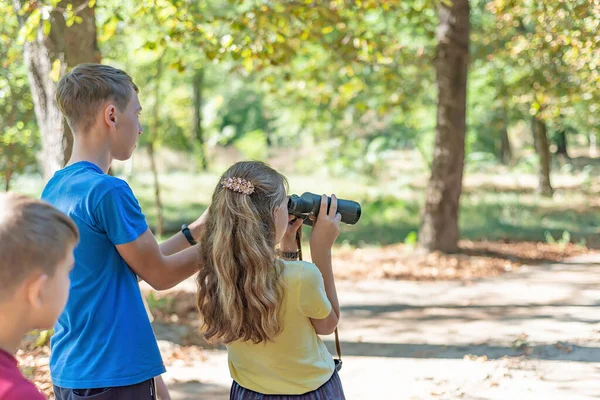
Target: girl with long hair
258,299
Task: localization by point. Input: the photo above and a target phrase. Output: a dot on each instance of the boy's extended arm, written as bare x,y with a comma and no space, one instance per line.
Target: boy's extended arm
119,214
145,258
178,242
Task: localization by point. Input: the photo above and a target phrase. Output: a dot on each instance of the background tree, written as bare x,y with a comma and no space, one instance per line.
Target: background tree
56,36
550,47
439,230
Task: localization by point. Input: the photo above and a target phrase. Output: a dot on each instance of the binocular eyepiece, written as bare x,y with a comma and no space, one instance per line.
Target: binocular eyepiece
310,203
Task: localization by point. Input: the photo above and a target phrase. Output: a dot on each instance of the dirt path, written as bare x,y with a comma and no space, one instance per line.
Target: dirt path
531,334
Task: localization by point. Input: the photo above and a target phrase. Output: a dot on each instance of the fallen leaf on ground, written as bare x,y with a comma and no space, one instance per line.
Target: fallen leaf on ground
564,347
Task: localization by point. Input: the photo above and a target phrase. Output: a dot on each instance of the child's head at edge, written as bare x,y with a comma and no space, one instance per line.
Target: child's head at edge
241,284
36,257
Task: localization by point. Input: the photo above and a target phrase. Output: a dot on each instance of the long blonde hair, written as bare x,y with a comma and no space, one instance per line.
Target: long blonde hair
240,285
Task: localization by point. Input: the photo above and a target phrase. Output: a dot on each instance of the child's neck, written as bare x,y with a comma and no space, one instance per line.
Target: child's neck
87,149
11,331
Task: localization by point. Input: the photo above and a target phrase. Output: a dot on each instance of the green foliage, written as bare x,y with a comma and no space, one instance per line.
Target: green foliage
253,145
19,140
355,78
245,112
391,212
411,239
340,67
17,151
550,45
163,304
563,240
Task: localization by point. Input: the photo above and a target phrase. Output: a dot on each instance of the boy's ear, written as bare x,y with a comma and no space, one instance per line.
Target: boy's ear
110,116
34,287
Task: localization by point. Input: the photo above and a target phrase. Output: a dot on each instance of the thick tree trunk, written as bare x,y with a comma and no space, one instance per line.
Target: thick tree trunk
439,229
198,131
62,49
150,150
542,149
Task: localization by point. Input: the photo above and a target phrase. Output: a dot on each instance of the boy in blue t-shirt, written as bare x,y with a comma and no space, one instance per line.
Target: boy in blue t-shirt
103,344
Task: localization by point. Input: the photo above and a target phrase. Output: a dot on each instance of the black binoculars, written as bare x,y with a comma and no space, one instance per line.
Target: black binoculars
310,204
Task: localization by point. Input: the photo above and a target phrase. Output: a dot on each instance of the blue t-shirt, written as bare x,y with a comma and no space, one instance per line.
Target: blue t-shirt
103,338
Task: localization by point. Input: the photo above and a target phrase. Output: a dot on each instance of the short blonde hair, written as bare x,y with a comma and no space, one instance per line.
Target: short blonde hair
83,90
33,236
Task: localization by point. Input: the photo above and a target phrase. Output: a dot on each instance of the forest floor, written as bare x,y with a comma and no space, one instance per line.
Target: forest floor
527,328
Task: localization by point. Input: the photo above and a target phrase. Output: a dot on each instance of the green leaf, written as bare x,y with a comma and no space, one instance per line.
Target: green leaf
411,239
55,72
150,45
43,337
31,33
108,30
248,64
47,27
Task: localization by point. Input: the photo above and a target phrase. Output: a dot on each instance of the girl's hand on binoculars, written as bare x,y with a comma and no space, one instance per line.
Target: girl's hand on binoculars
288,243
327,226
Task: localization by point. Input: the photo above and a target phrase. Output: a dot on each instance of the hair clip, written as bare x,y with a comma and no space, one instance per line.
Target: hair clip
238,185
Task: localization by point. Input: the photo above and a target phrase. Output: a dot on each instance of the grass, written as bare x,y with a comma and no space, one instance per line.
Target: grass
496,205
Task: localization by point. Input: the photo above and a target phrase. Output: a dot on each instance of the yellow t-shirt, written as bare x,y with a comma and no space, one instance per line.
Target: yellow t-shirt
297,361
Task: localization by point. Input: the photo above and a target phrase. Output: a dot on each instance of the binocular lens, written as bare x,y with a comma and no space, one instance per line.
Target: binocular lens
310,203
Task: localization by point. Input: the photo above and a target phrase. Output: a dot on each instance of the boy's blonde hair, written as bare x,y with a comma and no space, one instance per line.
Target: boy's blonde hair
33,236
83,90
240,284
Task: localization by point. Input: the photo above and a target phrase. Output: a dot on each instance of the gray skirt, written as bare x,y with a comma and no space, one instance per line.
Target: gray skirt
330,390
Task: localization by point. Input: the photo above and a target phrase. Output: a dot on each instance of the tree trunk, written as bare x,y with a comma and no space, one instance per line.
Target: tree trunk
268,133
7,177
62,49
150,149
439,229
198,130
505,149
157,200
540,137
561,144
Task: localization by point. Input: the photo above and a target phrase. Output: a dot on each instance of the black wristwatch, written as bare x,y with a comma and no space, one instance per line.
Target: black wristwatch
188,235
